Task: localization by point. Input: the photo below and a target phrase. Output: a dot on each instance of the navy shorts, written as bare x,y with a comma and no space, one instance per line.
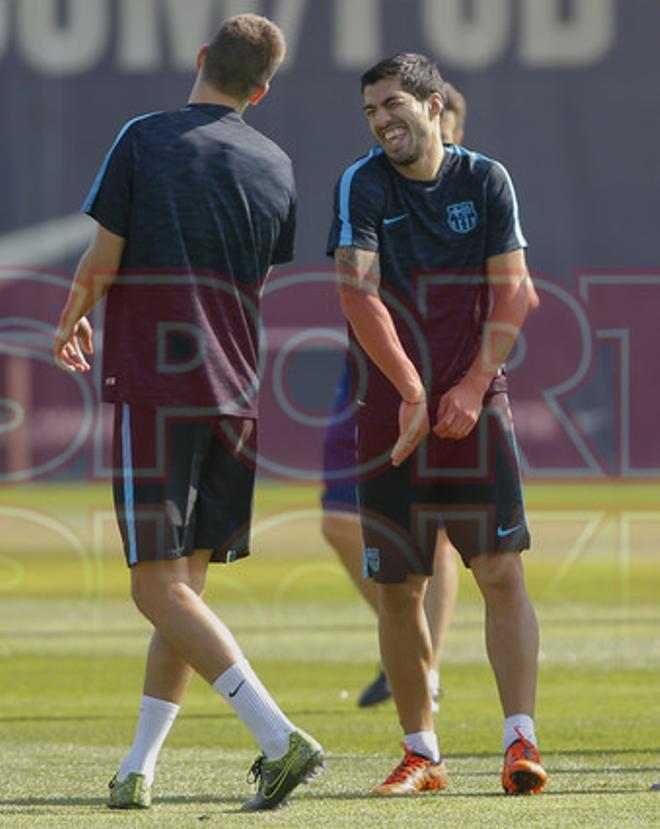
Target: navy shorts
182,484
472,484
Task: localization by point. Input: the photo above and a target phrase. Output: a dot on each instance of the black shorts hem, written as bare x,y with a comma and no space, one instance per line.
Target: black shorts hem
218,556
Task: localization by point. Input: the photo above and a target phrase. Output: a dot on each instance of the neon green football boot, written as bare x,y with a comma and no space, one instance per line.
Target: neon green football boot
277,778
130,793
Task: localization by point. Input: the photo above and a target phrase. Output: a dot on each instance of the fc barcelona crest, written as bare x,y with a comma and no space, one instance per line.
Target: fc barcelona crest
462,217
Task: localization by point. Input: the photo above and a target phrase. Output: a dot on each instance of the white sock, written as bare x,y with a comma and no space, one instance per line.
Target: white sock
524,723
156,718
244,691
424,743
434,682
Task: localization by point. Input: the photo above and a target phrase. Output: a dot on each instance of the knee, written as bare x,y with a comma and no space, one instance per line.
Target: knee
401,599
499,574
152,596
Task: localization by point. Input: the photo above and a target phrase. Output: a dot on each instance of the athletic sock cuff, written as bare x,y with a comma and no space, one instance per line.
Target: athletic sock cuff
154,703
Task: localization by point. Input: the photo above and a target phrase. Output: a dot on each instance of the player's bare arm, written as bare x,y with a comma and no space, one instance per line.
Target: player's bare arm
93,277
358,279
460,407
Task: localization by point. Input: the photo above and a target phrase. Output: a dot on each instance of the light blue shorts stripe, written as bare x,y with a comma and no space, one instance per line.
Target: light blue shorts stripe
129,495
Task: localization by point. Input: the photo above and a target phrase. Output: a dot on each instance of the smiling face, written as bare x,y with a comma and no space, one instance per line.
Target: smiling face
407,129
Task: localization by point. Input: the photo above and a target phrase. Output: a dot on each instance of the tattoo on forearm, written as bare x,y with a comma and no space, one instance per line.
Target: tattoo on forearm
357,270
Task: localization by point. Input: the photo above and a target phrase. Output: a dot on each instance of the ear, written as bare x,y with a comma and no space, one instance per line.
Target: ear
259,94
436,106
201,57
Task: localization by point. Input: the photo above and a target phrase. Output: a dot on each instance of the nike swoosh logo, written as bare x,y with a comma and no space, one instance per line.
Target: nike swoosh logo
503,533
237,688
46,242
395,219
281,777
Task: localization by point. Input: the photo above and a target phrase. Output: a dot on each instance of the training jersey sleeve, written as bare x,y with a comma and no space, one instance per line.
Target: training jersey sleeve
109,200
358,208
504,231
285,247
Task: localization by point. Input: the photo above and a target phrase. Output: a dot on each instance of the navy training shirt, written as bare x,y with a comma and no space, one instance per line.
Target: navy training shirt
433,239
206,205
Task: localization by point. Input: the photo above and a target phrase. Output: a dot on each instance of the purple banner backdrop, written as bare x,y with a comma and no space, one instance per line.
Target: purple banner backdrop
564,92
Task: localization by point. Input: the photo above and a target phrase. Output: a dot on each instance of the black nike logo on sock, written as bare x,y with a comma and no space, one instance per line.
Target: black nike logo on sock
237,688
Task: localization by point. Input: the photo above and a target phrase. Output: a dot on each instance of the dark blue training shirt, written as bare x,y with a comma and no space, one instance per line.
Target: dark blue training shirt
433,239
206,205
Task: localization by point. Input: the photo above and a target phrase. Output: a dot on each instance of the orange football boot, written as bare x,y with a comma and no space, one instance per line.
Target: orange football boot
523,772
414,774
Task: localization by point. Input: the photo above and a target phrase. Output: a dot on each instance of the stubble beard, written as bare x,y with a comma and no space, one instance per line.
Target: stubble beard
411,156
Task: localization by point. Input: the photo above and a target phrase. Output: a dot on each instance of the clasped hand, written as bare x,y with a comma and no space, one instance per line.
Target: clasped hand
458,412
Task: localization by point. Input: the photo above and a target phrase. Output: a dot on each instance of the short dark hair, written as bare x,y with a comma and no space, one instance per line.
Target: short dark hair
455,102
244,55
417,74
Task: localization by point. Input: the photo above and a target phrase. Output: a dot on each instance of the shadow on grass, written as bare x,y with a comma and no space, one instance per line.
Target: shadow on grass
586,792
233,804
498,795
103,802
53,801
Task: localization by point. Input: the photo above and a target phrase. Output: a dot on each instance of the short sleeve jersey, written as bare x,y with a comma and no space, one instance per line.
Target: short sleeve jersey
433,239
206,205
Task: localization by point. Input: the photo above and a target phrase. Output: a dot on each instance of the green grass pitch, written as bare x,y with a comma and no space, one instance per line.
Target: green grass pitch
72,649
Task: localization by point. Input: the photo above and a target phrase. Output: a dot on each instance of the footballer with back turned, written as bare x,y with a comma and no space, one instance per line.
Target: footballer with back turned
192,209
